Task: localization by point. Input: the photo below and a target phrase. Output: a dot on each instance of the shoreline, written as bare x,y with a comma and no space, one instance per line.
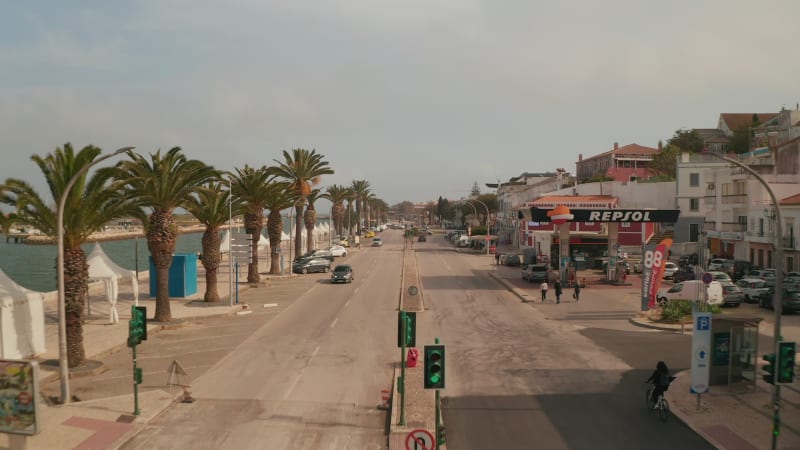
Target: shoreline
102,236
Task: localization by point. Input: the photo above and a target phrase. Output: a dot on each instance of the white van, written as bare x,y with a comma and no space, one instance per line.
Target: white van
691,290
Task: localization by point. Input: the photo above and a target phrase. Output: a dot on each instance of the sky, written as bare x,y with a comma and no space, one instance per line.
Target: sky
420,98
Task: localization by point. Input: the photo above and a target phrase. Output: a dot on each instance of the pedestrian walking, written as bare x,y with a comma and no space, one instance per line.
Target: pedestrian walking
557,287
576,294
496,258
543,287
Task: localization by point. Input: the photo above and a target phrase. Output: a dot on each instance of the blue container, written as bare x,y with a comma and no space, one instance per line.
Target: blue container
182,275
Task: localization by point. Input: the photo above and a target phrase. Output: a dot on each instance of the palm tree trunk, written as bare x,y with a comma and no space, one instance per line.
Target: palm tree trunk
211,260
161,239
252,225
274,230
298,228
76,277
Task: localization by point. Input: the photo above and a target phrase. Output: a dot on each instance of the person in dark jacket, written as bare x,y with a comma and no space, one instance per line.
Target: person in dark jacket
660,379
576,294
558,289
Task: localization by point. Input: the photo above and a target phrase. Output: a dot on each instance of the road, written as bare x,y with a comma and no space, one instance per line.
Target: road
523,376
309,378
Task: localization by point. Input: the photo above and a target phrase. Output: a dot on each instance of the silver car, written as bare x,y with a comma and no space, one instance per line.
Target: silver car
732,295
752,288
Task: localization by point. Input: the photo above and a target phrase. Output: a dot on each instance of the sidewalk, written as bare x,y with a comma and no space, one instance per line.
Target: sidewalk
104,423
732,418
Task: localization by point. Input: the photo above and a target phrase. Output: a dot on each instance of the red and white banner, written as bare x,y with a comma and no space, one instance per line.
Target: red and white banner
657,263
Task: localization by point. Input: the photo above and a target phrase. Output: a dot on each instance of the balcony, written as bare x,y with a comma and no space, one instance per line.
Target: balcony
789,242
736,199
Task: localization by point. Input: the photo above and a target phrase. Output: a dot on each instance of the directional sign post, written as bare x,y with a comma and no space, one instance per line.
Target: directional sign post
420,439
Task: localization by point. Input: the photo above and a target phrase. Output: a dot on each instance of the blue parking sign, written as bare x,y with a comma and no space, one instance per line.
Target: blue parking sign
703,324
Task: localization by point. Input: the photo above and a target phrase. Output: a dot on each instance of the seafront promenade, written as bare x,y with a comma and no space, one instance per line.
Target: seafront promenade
100,236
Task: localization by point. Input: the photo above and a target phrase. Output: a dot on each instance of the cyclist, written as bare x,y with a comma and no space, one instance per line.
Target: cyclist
660,380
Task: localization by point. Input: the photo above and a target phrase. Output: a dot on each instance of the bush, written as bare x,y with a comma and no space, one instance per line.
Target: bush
678,310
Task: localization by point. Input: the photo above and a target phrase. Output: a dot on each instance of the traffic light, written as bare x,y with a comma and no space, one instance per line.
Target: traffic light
410,326
786,359
137,326
434,367
769,376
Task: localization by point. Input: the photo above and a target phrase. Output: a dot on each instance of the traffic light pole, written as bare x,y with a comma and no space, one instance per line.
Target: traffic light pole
401,385
438,419
135,386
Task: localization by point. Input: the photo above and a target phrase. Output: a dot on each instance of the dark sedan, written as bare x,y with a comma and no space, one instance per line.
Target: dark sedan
791,300
683,274
307,265
342,273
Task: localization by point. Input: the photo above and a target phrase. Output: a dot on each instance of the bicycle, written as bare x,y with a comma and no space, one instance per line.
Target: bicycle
661,405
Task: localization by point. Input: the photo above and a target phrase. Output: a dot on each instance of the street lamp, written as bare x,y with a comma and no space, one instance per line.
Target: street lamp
62,321
487,220
777,303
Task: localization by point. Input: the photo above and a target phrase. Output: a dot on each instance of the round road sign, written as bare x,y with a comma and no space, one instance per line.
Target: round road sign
412,290
420,439
707,278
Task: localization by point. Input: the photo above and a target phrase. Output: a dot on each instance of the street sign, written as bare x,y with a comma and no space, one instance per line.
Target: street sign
701,355
420,439
707,278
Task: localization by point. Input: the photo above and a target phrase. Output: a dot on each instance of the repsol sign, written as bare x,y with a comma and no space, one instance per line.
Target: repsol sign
613,215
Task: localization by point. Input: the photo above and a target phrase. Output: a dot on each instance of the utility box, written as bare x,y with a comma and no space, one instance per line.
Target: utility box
182,275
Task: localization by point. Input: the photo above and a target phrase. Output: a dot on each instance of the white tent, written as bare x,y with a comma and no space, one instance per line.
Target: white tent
21,320
226,242
103,268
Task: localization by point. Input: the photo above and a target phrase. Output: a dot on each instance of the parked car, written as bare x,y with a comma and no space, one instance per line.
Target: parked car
720,276
753,288
307,265
535,272
338,250
792,282
687,260
691,290
369,234
343,273
732,295
377,242
790,303
740,269
767,275
318,253
716,264
685,273
669,269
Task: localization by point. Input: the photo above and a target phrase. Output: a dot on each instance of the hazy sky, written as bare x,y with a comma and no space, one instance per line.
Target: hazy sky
420,98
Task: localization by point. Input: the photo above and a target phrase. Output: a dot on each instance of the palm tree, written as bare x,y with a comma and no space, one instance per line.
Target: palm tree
337,195
90,204
360,190
310,217
6,220
213,205
281,198
302,169
251,186
350,196
162,184
367,204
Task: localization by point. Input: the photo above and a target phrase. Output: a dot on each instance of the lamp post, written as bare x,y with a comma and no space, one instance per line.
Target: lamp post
487,220
777,300
62,321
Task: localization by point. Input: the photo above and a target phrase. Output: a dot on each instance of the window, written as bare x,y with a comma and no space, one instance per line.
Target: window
694,204
694,232
694,179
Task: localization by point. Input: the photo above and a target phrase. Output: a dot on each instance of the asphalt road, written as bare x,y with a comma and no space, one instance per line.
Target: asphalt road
522,376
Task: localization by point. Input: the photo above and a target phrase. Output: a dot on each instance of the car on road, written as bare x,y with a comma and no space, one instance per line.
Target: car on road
669,269
343,273
753,288
732,295
513,260
369,234
318,253
422,238
377,242
338,250
535,272
307,265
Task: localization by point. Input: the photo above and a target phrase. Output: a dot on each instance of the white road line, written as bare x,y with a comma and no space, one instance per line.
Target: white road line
316,350
291,387
270,305
347,303
334,322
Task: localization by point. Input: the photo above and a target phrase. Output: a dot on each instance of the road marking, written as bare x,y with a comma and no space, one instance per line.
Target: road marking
270,305
347,303
334,322
291,387
316,350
